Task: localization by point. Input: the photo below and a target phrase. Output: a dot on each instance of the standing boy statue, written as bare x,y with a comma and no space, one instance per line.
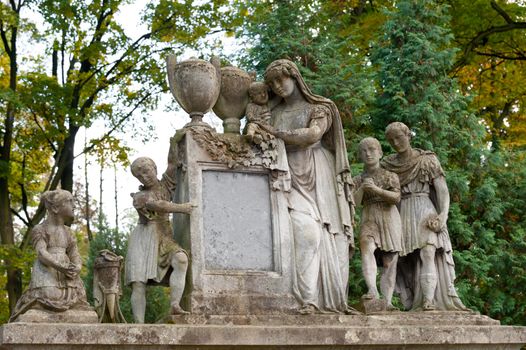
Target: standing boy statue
153,256
379,191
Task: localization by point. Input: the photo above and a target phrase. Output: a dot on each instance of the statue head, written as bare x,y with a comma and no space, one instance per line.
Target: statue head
399,136
59,202
370,151
258,92
145,170
282,76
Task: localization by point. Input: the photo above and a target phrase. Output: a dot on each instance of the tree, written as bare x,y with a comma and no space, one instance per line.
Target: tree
9,30
414,58
91,70
491,64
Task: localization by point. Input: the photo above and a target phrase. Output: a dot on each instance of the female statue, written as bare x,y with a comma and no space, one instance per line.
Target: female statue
55,282
426,264
320,200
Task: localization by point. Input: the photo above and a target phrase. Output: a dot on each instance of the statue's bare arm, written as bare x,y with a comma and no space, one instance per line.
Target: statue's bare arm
163,206
442,194
302,136
389,196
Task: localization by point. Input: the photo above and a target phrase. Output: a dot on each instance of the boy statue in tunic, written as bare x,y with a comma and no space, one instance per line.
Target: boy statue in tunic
153,256
426,267
378,190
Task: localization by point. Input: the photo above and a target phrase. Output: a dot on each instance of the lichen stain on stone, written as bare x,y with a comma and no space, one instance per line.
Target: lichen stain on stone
70,336
191,337
351,337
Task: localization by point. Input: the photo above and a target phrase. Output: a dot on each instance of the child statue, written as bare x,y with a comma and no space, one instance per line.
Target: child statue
258,116
153,256
379,192
258,110
55,282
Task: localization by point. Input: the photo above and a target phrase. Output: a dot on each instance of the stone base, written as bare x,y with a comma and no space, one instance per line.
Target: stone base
372,306
393,331
68,316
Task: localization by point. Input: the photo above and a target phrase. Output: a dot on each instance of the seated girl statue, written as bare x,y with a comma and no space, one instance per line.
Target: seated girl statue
55,282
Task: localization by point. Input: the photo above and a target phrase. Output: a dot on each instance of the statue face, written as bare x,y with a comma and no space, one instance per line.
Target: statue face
65,208
146,174
283,85
370,154
259,97
399,141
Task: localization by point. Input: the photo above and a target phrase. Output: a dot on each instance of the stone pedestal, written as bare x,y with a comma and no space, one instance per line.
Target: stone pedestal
237,237
393,331
68,316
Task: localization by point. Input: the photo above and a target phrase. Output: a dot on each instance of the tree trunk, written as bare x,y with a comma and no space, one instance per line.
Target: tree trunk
66,179
86,189
7,234
116,197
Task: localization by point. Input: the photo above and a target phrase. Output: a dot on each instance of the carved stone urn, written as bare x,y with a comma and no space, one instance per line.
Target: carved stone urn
195,84
233,97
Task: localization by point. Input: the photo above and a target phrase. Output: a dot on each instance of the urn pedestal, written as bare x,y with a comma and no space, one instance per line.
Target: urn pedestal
237,238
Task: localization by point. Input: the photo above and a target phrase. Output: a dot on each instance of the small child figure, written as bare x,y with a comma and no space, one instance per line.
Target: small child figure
379,192
258,111
258,114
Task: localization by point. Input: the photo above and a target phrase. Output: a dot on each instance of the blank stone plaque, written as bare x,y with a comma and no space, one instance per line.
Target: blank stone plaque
237,221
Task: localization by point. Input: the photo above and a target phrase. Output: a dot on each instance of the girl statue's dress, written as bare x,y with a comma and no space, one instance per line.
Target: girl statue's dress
50,288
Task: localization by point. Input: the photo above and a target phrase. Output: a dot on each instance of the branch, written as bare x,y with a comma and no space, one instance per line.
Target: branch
503,56
501,12
24,201
126,53
482,37
116,126
4,39
20,217
35,118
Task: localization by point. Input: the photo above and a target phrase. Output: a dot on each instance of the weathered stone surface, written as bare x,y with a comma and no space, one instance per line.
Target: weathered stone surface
195,85
240,264
398,318
55,284
68,316
449,331
237,221
370,306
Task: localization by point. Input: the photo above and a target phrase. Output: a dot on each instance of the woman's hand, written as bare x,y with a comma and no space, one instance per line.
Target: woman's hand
268,128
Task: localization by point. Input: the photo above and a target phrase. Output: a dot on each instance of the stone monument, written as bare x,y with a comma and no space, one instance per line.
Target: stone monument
266,247
56,292
267,239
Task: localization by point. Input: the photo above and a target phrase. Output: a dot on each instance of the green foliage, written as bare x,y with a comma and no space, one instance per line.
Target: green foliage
20,259
485,218
413,58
